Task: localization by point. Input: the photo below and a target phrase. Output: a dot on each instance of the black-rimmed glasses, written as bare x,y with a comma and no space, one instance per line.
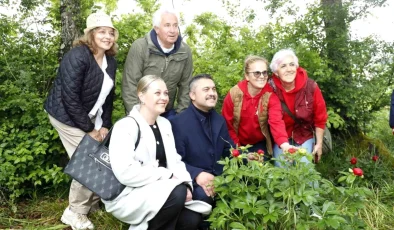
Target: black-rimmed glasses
257,74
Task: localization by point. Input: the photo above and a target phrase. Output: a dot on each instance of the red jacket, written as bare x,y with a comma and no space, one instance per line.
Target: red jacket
249,131
311,116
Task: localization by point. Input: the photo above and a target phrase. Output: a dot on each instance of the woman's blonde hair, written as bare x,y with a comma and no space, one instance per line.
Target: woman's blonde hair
252,59
88,40
145,81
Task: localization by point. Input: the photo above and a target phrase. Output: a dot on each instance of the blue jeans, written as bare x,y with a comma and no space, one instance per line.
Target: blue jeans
308,145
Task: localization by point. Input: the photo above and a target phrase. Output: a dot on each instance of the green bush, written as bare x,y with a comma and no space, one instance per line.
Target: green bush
257,195
30,150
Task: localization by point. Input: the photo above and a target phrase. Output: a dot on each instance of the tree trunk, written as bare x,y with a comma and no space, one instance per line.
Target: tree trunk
337,51
71,23
337,36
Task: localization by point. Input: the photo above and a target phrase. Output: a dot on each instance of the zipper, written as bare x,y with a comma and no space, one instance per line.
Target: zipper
97,161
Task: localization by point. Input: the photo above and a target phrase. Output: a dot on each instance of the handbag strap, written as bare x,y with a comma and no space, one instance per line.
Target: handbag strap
139,133
107,138
284,106
287,110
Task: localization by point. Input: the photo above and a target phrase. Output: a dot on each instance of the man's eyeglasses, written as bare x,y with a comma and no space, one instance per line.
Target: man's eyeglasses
257,74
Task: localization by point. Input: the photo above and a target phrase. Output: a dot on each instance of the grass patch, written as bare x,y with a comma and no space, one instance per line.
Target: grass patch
43,211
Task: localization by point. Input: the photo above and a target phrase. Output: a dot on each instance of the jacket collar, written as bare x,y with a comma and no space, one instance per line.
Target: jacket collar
177,44
216,122
300,80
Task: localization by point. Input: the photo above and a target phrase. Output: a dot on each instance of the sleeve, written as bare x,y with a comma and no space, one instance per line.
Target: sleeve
109,103
319,109
228,114
127,170
183,85
275,120
391,123
132,73
181,145
72,70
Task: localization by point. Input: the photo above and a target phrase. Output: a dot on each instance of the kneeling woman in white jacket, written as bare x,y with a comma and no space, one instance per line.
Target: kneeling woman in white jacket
158,187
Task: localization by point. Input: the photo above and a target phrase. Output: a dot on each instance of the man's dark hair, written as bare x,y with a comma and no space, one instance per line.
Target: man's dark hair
197,78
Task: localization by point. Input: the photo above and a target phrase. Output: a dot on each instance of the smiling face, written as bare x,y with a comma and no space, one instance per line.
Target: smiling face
155,98
168,31
257,74
103,38
287,70
204,95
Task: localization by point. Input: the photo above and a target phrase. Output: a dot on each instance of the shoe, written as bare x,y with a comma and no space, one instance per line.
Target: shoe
76,221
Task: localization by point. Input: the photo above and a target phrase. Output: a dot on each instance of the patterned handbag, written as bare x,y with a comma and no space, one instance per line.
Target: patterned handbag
90,165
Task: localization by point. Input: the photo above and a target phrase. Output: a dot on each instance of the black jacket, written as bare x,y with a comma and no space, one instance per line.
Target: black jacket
77,87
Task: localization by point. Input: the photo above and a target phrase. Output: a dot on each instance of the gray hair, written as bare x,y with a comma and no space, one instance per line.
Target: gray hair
279,56
156,20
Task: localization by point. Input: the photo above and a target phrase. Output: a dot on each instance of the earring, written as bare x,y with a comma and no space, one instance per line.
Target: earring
142,103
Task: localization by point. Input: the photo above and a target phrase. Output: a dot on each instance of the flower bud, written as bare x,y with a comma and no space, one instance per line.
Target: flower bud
375,158
292,150
235,152
358,172
302,150
353,161
260,152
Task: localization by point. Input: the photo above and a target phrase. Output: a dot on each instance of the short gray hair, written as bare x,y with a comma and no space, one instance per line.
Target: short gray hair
156,20
279,56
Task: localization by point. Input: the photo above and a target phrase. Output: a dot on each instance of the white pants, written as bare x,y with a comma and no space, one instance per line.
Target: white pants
81,199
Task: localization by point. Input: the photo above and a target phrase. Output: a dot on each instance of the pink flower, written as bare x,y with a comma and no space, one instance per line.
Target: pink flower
375,158
260,152
292,150
353,161
357,172
235,152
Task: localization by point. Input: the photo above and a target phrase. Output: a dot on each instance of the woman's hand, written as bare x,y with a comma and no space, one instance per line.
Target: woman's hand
189,195
318,148
317,152
286,146
103,132
95,135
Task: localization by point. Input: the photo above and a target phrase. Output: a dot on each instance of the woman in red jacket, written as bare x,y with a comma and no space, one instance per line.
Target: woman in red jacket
306,112
251,105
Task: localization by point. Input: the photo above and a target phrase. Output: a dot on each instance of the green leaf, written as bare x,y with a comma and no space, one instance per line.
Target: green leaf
237,225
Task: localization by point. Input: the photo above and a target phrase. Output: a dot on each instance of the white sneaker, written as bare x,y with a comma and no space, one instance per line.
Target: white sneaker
76,221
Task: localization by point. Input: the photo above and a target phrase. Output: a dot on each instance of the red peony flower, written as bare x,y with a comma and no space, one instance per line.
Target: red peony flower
353,161
292,150
375,158
235,153
260,152
358,172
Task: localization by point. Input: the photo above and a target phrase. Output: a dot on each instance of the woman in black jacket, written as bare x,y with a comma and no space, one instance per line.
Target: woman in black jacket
81,102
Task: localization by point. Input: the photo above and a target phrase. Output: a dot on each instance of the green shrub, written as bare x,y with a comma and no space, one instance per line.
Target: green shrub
257,195
30,150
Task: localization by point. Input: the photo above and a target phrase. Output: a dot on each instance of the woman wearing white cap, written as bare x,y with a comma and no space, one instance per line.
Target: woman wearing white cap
81,102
